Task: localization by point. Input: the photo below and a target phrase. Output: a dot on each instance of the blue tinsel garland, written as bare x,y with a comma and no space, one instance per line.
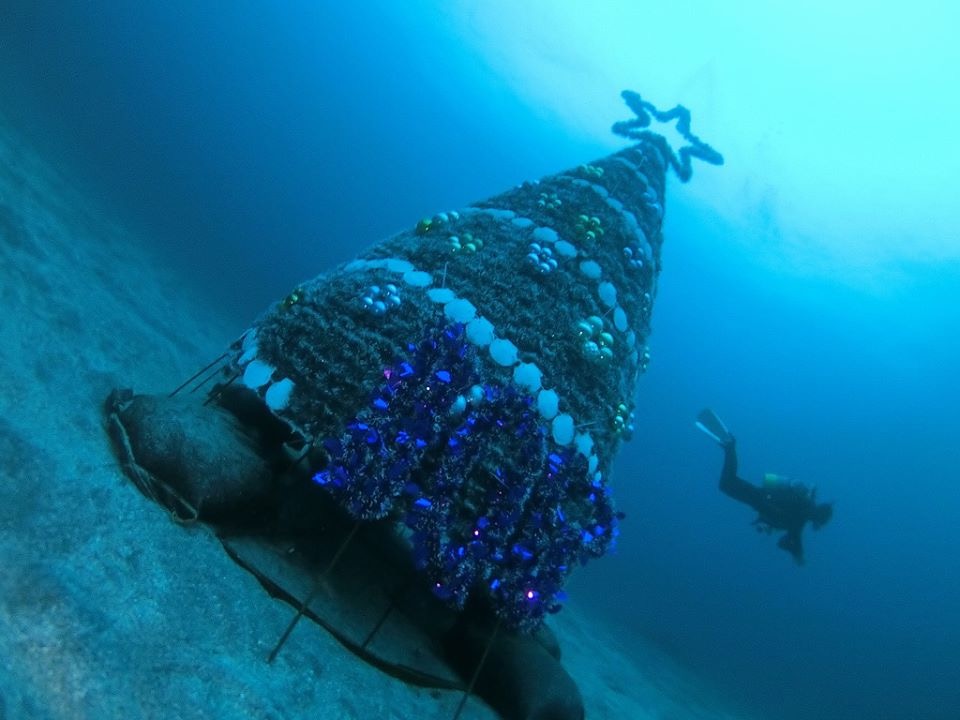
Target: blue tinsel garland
468,466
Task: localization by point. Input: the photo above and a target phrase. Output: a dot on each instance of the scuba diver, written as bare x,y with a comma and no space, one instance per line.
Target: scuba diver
780,503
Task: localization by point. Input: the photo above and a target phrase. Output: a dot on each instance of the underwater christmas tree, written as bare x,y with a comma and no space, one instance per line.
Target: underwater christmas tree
473,377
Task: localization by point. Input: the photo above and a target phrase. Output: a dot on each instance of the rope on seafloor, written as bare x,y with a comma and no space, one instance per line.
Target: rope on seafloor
313,593
477,671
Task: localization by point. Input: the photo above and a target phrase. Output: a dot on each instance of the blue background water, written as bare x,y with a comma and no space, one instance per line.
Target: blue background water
809,291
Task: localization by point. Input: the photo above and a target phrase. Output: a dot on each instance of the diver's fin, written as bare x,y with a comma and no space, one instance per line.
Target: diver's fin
709,423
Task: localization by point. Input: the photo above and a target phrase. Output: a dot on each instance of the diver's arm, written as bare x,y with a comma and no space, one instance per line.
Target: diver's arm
792,542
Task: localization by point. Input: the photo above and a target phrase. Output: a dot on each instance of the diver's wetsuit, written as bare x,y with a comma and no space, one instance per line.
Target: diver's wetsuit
785,506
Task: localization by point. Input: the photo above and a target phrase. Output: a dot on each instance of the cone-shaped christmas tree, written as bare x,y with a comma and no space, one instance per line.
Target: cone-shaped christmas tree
473,377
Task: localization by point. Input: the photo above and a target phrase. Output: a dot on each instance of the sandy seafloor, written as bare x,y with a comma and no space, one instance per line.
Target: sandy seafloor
108,609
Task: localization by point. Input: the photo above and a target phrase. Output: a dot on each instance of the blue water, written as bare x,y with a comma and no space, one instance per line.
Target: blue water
262,146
